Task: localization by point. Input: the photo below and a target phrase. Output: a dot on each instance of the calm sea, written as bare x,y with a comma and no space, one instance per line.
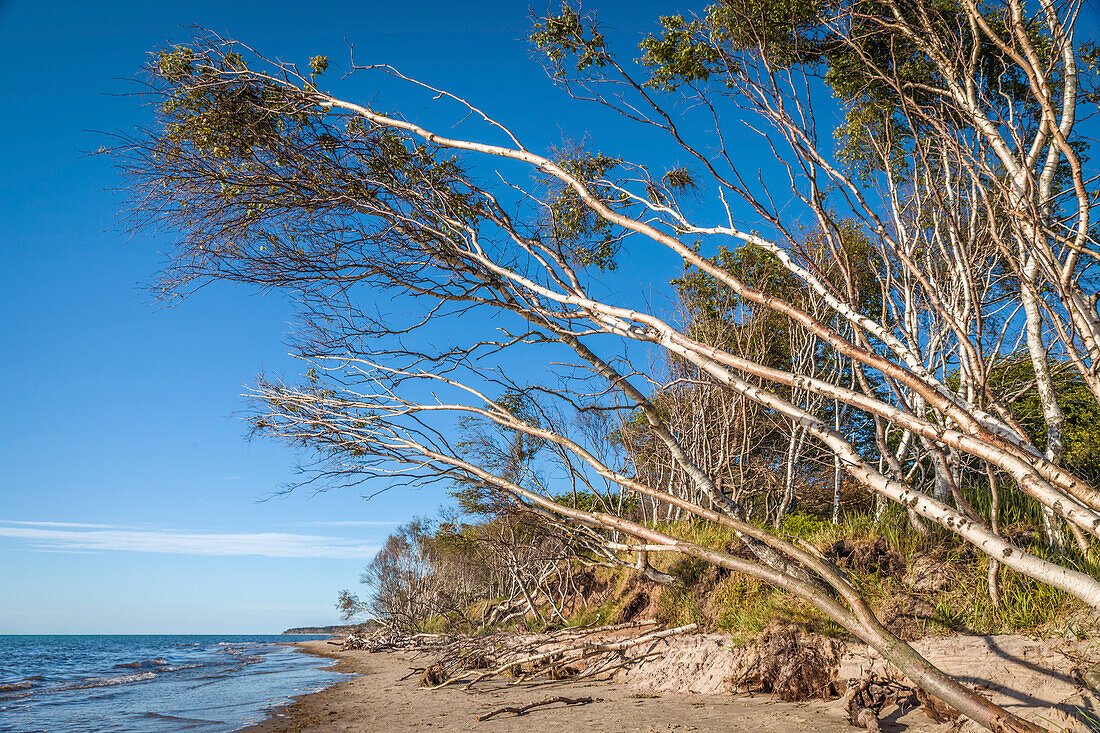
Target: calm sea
150,683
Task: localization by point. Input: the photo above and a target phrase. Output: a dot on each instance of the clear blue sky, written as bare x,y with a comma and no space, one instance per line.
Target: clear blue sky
129,499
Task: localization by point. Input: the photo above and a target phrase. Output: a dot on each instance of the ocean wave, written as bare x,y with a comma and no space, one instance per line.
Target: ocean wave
112,681
191,722
24,684
237,665
144,664
178,667
10,697
17,686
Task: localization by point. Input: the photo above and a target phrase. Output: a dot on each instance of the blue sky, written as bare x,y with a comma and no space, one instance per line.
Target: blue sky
130,501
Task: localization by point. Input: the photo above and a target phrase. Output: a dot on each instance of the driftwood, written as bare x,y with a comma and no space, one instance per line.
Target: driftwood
412,671
613,664
568,653
383,640
866,698
522,710
585,649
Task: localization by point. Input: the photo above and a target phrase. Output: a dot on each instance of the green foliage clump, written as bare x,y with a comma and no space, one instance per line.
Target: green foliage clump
679,55
689,51
589,239
803,524
224,121
318,65
679,180
570,34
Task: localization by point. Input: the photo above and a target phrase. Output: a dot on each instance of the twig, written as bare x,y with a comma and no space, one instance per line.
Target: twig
413,671
523,709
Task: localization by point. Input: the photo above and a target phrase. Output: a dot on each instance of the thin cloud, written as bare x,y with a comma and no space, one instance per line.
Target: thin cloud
60,524
61,551
348,523
47,537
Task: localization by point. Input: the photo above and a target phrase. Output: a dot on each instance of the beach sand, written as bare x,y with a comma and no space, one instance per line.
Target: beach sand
379,700
1034,678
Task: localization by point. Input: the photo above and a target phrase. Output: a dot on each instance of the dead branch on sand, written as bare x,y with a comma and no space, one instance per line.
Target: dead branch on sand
525,708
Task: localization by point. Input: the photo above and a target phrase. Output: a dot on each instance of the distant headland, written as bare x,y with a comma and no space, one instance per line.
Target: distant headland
345,629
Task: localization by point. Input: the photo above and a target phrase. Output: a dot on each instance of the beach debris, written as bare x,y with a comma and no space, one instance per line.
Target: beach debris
602,657
866,698
412,671
433,676
569,653
384,640
524,709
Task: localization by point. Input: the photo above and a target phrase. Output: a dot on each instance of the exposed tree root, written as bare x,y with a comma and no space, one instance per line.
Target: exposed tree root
866,698
793,665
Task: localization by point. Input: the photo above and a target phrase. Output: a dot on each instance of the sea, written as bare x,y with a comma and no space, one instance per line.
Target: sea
150,684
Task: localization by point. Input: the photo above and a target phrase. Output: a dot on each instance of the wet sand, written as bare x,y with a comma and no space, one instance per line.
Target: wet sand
379,700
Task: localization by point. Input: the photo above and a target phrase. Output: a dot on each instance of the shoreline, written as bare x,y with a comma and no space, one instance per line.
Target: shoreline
285,717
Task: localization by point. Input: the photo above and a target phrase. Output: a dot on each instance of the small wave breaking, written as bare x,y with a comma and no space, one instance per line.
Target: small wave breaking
144,664
112,681
17,686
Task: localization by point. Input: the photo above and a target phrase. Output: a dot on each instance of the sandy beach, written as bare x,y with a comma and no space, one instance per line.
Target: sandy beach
379,700
384,696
